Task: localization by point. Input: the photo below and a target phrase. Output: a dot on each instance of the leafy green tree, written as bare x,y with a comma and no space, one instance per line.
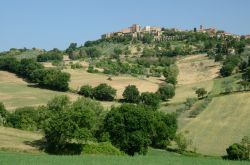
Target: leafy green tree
131,94
58,103
165,127
201,92
27,66
68,129
86,90
104,92
167,91
171,73
237,152
92,52
72,47
129,127
23,118
226,70
151,100
51,78
53,55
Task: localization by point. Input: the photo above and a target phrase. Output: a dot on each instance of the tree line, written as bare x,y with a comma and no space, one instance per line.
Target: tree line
36,73
68,126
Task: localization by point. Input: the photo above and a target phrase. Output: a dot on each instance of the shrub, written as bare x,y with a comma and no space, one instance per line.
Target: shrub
3,114
52,79
190,102
237,152
53,55
182,142
167,91
86,91
226,70
101,148
131,94
151,100
91,69
201,92
104,92
23,118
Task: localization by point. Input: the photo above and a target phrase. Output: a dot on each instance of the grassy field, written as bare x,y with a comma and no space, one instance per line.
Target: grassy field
80,77
224,122
18,140
196,68
154,157
14,92
196,71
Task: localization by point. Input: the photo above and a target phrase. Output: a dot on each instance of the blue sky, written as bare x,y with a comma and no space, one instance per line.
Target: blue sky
55,23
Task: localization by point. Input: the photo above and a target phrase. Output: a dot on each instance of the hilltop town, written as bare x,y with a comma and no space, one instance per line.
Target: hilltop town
158,32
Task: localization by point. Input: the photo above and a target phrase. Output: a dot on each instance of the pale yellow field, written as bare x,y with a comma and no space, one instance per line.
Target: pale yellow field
224,122
196,68
15,92
18,140
81,77
196,71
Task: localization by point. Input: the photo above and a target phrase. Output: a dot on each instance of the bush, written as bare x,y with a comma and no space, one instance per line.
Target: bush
237,152
226,70
53,55
131,94
52,79
86,91
101,148
182,142
151,100
167,91
91,69
23,118
104,92
201,92
3,114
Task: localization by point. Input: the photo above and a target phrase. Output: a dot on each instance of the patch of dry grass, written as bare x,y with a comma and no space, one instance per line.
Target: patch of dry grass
80,77
224,122
197,68
18,140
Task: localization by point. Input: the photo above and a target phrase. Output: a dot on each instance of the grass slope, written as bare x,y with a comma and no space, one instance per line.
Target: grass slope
224,122
80,77
17,140
152,158
14,92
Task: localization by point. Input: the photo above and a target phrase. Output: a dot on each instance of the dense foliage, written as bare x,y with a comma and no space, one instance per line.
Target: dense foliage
131,94
133,128
167,91
53,55
36,73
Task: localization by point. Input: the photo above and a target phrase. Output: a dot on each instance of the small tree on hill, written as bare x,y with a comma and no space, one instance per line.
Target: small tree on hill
167,91
104,92
201,92
151,100
237,152
131,94
86,91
